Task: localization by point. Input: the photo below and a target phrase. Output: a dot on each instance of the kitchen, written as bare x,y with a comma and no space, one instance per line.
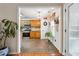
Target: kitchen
35,22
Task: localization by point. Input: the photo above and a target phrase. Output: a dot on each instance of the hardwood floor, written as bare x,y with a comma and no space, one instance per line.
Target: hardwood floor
38,48
35,45
39,54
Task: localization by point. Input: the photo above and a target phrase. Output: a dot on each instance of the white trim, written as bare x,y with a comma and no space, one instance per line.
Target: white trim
66,26
19,40
67,23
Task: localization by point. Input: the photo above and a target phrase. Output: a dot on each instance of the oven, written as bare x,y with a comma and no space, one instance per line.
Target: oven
26,31
27,34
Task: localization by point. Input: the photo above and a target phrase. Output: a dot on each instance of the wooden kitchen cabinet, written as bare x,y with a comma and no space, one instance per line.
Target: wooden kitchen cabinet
32,34
35,23
35,35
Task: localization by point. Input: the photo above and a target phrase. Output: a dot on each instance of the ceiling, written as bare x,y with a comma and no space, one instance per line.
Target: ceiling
35,12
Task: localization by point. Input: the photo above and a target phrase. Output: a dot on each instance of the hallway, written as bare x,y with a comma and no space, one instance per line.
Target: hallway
38,32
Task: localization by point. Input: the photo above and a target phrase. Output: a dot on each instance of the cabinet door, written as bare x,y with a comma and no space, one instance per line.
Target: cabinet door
32,35
35,35
35,23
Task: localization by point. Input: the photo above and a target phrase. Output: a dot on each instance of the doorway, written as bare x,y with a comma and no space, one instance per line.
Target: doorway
37,14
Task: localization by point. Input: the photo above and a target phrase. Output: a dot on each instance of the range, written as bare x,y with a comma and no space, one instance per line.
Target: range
26,30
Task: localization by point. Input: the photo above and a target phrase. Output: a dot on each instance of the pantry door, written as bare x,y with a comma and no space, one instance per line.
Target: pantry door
72,29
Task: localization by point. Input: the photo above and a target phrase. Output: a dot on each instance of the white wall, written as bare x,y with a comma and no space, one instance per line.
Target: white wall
9,12
44,29
57,40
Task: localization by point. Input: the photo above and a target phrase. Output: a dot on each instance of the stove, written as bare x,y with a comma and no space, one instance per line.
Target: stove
26,34
26,30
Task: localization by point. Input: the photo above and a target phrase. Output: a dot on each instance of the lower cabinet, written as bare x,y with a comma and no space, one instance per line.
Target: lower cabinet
35,35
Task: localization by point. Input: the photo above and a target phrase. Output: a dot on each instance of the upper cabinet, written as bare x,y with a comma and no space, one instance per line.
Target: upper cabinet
24,22
35,23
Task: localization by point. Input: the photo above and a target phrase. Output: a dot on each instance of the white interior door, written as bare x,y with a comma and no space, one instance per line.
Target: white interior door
72,34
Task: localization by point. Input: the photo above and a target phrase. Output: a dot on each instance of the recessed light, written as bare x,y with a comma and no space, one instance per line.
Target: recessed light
52,8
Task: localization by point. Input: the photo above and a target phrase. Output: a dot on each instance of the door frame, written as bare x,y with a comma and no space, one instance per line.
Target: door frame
19,39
